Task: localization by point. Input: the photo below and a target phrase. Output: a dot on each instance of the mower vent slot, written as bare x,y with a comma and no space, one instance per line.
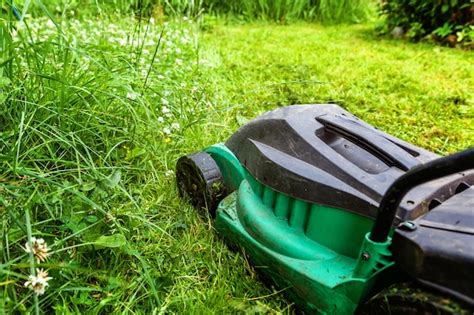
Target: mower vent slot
461,187
354,152
386,151
433,204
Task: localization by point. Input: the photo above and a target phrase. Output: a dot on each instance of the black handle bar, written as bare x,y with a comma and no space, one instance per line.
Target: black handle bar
418,175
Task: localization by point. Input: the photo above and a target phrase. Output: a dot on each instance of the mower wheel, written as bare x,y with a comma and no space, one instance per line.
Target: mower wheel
411,298
200,180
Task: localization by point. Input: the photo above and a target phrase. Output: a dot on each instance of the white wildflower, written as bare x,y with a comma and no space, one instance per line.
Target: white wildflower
166,131
175,126
165,110
132,96
123,41
50,24
164,101
194,89
169,173
39,282
38,247
179,62
160,119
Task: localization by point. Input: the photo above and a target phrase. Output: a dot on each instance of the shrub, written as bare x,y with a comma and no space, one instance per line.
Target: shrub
449,21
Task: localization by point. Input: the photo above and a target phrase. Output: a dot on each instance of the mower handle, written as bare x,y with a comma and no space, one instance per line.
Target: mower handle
418,175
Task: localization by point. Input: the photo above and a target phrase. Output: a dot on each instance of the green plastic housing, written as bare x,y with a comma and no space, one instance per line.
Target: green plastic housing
321,256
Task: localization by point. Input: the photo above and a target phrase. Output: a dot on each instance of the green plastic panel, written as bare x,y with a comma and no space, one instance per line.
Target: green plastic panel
318,253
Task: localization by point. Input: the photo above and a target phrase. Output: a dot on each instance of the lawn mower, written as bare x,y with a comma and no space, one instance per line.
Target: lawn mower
340,215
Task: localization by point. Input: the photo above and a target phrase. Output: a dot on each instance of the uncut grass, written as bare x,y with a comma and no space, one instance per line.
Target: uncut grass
85,154
282,11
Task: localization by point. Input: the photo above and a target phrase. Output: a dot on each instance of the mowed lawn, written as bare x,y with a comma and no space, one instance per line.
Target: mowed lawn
168,257
421,93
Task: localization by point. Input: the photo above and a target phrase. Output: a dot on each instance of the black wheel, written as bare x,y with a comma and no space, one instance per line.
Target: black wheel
411,298
200,180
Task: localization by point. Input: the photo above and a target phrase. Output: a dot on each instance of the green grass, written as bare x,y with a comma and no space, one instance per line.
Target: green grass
281,11
418,92
92,122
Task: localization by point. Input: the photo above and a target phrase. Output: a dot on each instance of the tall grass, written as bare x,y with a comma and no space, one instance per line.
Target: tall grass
325,11
86,108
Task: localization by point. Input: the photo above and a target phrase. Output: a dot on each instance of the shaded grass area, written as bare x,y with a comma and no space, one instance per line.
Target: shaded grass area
91,130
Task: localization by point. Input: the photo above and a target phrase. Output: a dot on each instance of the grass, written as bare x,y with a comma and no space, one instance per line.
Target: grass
281,11
95,112
418,92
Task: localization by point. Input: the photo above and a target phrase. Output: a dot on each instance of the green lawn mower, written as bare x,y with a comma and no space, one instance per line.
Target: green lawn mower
343,217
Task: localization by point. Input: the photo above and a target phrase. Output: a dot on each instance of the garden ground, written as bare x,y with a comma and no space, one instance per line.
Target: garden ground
112,174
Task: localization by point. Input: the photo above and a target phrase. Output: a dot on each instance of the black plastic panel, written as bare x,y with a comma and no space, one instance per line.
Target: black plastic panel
440,250
325,155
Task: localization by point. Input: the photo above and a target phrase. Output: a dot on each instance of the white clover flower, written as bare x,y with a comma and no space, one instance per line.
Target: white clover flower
50,23
38,247
165,110
160,119
132,96
175,126
164,101
39,282
166,131
169,173
14,35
